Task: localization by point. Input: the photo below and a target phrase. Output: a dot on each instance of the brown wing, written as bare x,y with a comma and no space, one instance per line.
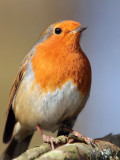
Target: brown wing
10,117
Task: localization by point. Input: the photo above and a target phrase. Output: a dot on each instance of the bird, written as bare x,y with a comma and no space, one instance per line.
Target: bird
50,89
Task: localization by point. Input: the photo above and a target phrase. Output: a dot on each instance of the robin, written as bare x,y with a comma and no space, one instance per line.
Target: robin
50,89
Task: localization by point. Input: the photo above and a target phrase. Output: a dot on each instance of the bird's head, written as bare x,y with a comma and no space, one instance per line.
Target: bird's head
62,33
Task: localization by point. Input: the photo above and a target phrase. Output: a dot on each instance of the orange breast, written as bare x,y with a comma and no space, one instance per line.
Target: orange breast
54,65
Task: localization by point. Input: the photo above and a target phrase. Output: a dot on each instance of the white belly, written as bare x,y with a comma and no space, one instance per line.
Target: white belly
45,109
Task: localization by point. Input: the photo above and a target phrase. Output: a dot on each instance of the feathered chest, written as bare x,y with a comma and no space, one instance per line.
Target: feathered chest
53,70
52,92
46,108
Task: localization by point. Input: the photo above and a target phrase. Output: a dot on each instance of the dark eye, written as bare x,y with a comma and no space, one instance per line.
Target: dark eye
58,30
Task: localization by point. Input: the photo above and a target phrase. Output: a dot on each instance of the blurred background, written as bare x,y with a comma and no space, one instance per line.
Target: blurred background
21,23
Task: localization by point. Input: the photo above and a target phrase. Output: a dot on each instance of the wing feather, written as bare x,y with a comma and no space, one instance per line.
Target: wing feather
10,117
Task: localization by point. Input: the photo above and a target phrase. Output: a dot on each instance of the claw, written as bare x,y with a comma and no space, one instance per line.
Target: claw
87,140
81,137
50,140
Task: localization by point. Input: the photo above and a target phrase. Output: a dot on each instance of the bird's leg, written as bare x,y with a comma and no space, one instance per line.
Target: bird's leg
87,140
39,130
48,139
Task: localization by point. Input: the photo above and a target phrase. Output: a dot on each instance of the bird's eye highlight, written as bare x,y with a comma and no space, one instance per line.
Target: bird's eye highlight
58,30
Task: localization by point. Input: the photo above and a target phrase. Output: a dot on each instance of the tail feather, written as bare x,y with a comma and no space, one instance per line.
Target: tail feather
9,126
15,148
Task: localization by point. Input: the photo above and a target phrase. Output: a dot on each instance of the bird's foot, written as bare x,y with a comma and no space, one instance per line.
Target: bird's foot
82,138
51,140
79,137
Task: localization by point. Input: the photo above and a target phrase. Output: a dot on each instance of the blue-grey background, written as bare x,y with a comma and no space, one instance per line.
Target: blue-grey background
21,23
